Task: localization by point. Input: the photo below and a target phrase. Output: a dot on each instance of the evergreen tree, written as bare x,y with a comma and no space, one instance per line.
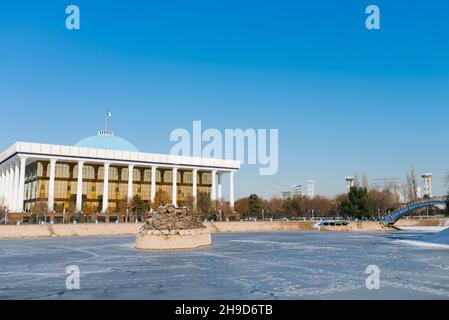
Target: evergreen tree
138,206
447,205
358,203
255,204
291,207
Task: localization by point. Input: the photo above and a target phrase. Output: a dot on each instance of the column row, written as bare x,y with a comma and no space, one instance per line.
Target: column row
217,187
12,184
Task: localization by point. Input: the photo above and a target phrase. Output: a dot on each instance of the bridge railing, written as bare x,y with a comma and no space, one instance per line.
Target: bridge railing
419,201
412,205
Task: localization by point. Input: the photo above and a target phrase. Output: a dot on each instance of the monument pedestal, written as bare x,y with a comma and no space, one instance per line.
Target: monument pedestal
173,239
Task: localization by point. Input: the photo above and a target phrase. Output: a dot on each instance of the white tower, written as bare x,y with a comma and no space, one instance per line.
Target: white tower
310,187
349,183
427,179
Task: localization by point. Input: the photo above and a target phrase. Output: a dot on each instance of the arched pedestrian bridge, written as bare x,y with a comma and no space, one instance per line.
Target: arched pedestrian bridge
413,205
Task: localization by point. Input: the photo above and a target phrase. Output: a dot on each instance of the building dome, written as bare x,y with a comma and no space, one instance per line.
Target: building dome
106,140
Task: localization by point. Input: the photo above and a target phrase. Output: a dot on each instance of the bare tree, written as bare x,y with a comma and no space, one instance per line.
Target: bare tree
382,200
409,193
365,181
189,203
225,208
356,180
162,198
241,206
72,206
123,205
414,183
320,206
275,205
4,212
40,209
216,209
446,180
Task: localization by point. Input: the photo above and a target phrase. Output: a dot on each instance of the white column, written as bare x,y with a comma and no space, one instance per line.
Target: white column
231,189
105,188
195,186
21,196
51,186
174,186
153,183
5,184
219,187
2,185
130,181
213,193
15,192
79,187
8,186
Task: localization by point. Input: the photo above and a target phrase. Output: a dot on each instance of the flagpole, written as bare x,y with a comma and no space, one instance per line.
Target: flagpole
107,116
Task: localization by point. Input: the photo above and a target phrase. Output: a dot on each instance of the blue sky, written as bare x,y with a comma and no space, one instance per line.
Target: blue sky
345,99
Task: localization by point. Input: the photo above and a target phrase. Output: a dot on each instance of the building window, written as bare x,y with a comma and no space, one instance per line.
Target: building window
188,177
136,174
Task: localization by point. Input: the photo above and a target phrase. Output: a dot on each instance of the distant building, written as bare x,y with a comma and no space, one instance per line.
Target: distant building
310,187
286,195
296,190
394,185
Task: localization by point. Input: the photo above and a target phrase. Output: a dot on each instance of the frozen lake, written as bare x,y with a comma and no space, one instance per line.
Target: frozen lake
305,265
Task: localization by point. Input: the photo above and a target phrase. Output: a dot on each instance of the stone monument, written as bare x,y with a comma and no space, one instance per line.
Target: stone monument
171,228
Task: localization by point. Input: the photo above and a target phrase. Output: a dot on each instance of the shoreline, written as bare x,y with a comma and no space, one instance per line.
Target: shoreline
131,229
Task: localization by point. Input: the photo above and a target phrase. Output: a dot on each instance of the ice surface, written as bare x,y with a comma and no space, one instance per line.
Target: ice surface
305,265
437,240
441,237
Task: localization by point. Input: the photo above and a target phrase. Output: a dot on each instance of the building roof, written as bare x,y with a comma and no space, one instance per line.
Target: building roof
100,155
107,140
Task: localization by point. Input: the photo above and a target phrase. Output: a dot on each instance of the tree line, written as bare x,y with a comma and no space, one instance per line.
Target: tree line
358,203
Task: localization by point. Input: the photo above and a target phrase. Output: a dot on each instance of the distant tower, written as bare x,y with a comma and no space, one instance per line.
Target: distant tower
427,178
349,183
310,187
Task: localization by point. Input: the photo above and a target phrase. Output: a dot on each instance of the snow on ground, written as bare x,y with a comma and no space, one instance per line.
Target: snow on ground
423,229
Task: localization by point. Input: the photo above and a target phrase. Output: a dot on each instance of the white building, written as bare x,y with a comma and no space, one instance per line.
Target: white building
296,190
100,171
310,187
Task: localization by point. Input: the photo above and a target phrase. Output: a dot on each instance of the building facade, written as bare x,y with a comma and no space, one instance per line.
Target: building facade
296,191
101,172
